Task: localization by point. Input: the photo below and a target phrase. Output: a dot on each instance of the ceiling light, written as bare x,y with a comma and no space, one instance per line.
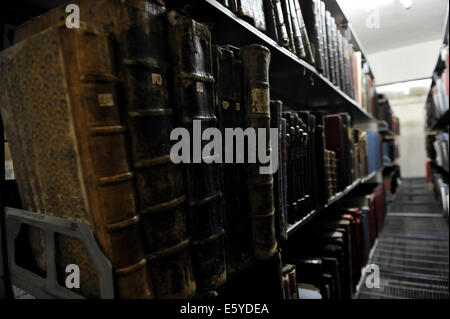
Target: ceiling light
406,3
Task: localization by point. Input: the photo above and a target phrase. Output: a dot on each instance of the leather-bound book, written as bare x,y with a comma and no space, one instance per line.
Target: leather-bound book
335,36
348,148
255,62
319,146
298,42
330,47
305,169
70,151
335,141
283,37
280,222
310,10
190,47
323,26
309,56
271,21
139,30
228,77
284,162
289,26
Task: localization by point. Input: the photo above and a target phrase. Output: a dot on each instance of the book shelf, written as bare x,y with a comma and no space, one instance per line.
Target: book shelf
294,81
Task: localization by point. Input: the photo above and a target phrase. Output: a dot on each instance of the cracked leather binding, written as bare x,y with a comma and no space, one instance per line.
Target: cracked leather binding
255,61
139,29
69,147
190,46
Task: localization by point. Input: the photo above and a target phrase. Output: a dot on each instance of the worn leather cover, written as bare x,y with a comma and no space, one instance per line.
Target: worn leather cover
280,222
255,61
334,137
190,46
310,10
283,37
253,11
69,147
289,27
319,146
139,30
298,42
228,77
309,57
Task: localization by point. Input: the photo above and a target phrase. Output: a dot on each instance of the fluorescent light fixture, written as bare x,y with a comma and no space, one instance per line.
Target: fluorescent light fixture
406,3
404,87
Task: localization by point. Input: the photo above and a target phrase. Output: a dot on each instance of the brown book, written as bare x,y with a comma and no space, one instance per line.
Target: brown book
139,30
255,61
69,148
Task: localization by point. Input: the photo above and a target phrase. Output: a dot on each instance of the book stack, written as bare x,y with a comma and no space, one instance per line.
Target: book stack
289,281
307,29
437,101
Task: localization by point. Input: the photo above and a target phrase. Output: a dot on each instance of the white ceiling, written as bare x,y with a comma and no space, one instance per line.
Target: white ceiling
400,44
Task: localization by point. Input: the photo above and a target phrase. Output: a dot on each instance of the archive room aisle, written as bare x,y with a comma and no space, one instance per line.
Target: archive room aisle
271,151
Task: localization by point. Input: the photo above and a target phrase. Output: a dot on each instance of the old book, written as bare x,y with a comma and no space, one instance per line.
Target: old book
348,148
139,31
190,47
283,37
280,222
335,141
298,42
335,37
323,26
330,47
271,21
319,146
228,77
289,27
253,12
255,61
69,148
309,56
284,161
310,10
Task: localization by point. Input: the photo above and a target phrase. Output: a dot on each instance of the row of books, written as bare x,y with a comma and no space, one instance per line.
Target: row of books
89,115
384,113
329,267
437,149
310,31
437,100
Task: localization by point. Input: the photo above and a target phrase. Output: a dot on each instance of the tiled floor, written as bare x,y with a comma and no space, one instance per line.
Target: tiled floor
412,251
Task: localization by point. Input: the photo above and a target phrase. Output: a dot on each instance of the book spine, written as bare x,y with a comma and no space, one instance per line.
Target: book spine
107,170
255,61
288,22
190,45
151,118
271,23
284,161
330,54
309,56
298,42
323,26
336,52
283,38
280,223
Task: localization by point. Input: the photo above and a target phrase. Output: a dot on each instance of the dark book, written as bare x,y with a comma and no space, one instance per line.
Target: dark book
309,56
335,141
335,37
319,146
331,266
280,222
310,10
284,161
190,44
271,21
324,35
298,42
288,22
348,148
283,37
228,77
330,47
255,61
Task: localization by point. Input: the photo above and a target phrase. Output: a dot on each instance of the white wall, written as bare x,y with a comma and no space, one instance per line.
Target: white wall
411,62
411,141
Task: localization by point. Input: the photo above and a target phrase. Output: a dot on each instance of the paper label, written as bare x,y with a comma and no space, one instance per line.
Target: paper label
105,100
260,100
225,105
238,106
200,86
156,79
